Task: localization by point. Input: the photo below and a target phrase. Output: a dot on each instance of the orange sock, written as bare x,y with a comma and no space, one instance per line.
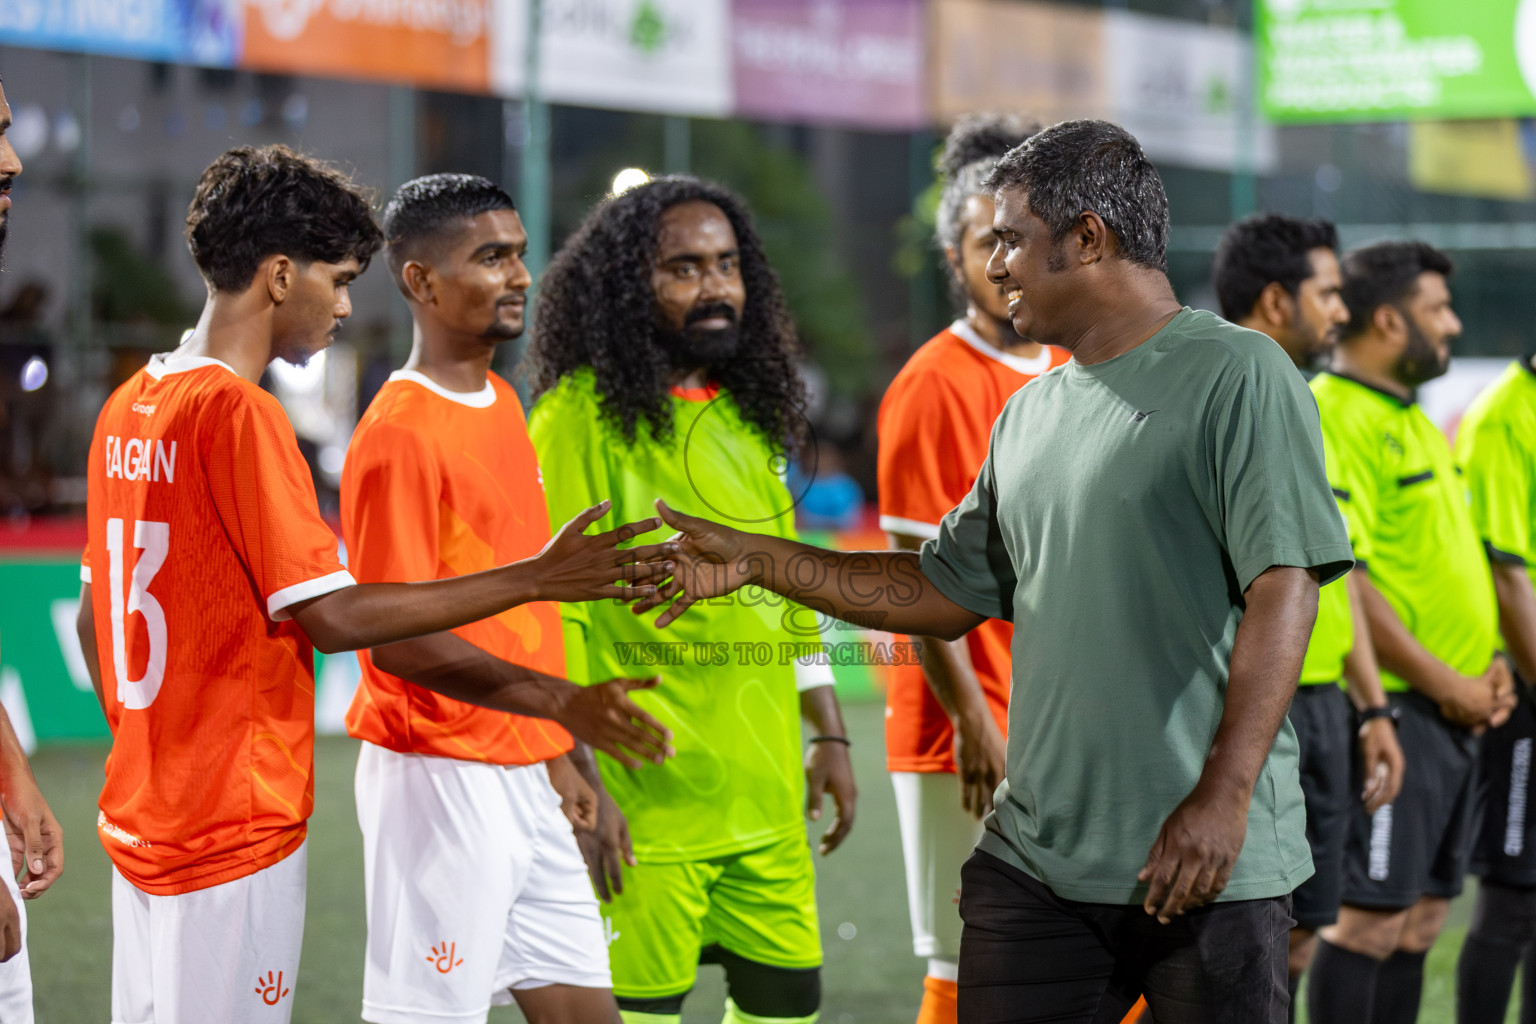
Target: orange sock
938,1001
1135,1014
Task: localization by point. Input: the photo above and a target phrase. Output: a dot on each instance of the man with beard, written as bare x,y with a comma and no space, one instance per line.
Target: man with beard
947,717
1280,276
1496,445
663,355
476,889
36,841
1429,601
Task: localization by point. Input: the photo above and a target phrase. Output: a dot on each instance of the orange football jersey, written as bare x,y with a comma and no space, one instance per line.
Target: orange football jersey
935,422
203,529
438,484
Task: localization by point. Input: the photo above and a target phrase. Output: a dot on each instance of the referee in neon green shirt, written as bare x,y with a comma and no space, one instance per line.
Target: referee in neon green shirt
1430,605
1497,448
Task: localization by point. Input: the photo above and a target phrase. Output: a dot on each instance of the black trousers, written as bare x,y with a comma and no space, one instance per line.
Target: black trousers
1027,956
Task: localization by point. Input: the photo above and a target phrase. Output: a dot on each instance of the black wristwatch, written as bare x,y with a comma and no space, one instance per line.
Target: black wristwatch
1390,712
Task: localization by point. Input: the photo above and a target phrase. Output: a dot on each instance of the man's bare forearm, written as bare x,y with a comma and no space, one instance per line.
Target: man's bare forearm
446,663
1517,616
1398,651
85,629
1266,661
374,614
819,706
884,589
1362,676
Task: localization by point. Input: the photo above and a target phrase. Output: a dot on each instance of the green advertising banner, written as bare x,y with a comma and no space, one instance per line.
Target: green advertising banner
1387,60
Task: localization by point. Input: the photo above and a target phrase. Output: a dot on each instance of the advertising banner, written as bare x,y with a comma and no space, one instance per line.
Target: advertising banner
667,56
1382,60
187,31
439,45
1182,88
831,61
1037,58
1185,91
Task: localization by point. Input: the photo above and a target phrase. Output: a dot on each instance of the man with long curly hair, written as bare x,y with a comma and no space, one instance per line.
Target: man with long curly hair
664,358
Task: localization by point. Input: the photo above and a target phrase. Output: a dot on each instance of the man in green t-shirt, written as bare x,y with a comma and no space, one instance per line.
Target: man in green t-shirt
1280,276
1429,603
1154,518
664,359
1496,446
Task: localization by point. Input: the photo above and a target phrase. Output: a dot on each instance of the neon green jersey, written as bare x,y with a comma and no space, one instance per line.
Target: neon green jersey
1407,507
1334,632
727,685
1497,446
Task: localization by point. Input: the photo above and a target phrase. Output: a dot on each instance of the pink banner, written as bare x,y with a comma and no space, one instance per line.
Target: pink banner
852,62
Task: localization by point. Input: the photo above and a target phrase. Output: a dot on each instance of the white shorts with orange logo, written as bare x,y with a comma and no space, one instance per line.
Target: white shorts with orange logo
16,973
226,953
475,887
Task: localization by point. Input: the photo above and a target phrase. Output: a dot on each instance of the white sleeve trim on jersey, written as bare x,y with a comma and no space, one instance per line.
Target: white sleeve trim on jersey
85,573
278,603
809,674
911,527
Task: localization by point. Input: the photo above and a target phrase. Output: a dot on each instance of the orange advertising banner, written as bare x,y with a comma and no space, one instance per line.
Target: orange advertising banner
429,43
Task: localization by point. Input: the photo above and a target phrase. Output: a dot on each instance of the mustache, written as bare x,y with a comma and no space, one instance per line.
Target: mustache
715,309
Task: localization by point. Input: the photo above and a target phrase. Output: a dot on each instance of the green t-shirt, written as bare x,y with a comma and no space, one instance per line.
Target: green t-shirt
1122,512
1334,632
1411,522
736,782
1496,445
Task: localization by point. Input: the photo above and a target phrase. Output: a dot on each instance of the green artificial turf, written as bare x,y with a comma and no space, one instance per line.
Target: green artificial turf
871,976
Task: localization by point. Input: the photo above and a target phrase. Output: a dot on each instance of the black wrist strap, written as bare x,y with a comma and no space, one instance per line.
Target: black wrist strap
844,740
1388,712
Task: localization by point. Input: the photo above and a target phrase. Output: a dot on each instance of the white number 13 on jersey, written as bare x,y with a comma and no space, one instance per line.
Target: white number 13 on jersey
154,540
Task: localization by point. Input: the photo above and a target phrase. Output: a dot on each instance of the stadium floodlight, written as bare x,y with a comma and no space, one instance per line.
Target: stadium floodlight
628,178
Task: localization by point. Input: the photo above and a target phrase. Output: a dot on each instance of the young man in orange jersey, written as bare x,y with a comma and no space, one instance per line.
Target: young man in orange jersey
209,574
947,717
477,892
36,841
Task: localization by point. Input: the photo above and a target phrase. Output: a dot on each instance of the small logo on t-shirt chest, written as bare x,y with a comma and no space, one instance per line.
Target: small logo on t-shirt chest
1137,417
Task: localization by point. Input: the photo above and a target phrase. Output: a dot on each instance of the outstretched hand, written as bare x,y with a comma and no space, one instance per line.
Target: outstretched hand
605,718
577,566
709,562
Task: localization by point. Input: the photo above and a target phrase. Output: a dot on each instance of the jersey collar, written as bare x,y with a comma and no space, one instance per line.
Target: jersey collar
1411,400
161,364
1030,367
482,399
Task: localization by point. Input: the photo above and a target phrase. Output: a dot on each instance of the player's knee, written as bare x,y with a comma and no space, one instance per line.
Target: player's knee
1372,933
1424,923
761,992
667,1010
1504,916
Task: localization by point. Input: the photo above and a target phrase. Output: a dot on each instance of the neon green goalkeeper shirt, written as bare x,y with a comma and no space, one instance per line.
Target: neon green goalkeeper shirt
1333,634
1411,521
1496,445
728,679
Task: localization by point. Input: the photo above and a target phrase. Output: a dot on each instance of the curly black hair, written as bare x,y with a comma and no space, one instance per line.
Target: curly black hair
252,203
1386,273
1263,248
597,308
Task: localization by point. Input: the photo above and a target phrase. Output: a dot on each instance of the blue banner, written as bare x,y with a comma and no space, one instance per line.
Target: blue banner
203,32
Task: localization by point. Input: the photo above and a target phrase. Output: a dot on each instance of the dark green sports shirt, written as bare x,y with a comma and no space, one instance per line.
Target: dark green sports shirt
1122,512
1412,521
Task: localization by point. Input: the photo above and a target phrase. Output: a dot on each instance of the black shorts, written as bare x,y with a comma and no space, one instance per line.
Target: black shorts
1027,955
1421,843
1505,852
1323,721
